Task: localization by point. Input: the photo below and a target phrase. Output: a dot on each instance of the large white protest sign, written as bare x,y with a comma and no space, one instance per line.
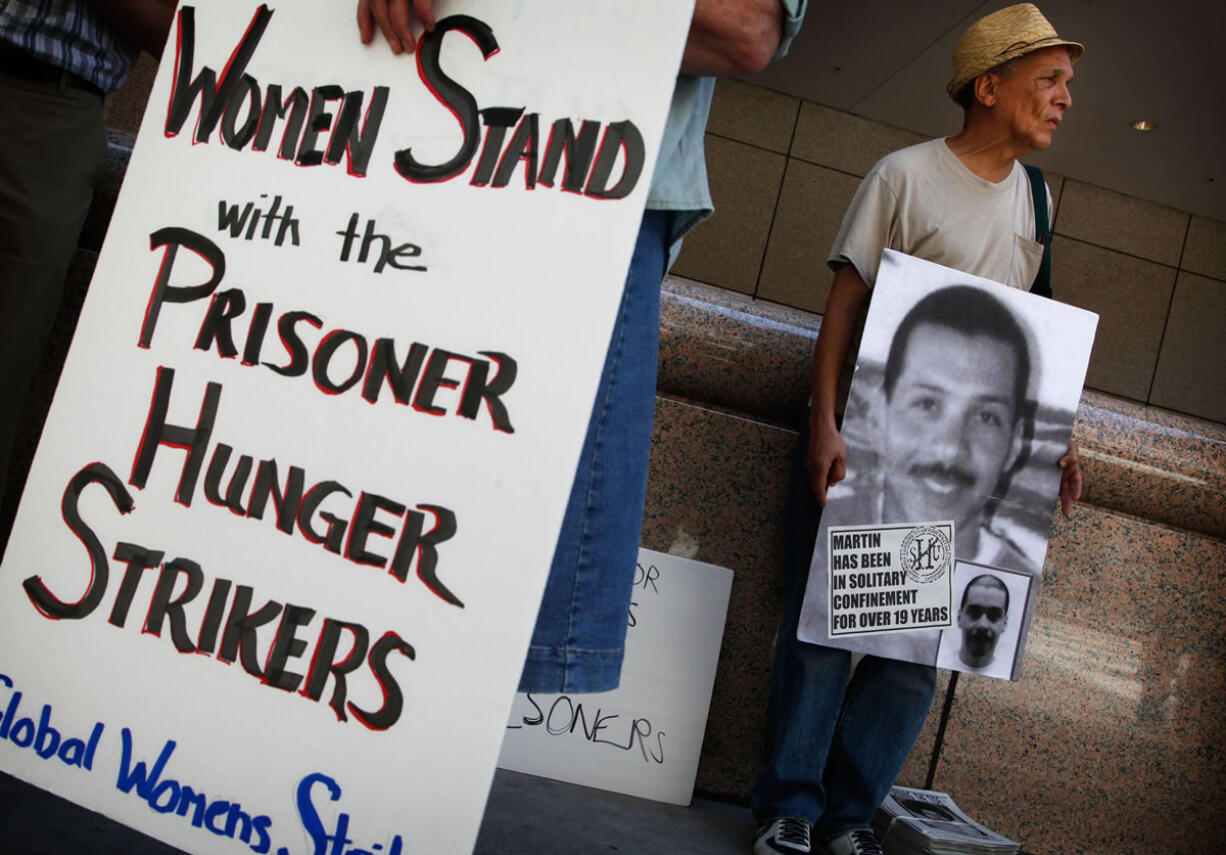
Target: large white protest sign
645,738
962,402
273,577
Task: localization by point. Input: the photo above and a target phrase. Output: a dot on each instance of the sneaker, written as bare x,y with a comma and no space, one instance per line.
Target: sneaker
857,841
788,835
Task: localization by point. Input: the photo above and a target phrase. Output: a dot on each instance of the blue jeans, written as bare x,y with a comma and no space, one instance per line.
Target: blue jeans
835,740
580,632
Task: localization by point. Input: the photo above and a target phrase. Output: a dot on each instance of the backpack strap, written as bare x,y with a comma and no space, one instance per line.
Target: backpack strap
1042,230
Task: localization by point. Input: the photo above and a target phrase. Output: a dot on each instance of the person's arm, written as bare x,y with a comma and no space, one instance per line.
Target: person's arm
1071,479
732,36
394,18
726,36
146,22
826,457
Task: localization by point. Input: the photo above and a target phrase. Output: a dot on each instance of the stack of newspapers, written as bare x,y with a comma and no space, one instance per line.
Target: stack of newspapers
924,822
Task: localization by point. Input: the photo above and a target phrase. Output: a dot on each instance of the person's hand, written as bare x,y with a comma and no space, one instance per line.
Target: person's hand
394,19
825,460
1071,479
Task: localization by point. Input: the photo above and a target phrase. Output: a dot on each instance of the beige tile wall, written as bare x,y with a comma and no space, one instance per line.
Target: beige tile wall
1130,295
783,171
731,250
1193,341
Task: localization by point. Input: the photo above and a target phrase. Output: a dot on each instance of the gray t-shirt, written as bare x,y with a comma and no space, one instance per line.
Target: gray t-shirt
923,201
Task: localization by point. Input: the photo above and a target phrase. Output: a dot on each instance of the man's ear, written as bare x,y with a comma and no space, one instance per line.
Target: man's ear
1016,443
985,89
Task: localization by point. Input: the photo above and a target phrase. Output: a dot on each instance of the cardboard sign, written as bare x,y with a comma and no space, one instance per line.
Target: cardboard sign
643,739
275,571
961,406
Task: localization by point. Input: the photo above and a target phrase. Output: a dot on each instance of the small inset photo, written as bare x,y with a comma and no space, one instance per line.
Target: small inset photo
990,608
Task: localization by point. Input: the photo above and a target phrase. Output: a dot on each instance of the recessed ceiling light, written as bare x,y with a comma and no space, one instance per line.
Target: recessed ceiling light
1144,125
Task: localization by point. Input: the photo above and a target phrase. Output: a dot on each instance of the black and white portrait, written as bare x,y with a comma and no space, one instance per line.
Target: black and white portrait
962,402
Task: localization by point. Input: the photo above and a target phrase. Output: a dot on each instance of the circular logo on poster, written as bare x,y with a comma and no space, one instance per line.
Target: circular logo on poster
925,554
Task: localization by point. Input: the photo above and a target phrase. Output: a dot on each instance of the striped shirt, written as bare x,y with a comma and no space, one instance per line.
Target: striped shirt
69,34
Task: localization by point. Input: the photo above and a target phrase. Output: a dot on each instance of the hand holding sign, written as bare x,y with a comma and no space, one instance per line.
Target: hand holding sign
395,20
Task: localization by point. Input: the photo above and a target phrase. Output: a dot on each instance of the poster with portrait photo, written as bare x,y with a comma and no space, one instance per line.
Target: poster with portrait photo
961,404
987,606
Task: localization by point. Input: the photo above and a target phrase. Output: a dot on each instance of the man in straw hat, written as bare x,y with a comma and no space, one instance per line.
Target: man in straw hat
836,740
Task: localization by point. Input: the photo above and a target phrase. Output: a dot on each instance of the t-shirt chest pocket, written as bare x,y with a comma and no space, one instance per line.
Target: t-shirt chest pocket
1027,258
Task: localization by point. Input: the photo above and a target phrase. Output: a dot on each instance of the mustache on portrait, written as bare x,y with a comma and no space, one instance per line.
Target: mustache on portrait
981,637
939,471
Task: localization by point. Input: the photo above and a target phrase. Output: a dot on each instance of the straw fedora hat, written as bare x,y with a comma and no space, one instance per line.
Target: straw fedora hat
1004,35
